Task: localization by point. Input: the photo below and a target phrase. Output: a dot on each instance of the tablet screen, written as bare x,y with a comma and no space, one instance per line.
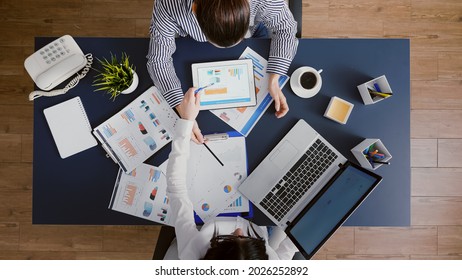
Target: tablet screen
226,84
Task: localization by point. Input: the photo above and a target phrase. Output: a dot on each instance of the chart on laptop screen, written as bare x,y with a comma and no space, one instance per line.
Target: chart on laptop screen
230,84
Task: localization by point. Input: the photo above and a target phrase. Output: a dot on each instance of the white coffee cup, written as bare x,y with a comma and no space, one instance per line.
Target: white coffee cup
306,81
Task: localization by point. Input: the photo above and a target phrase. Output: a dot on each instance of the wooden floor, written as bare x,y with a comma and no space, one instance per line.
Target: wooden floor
435,30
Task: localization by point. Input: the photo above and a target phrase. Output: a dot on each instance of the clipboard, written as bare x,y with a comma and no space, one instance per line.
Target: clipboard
247,214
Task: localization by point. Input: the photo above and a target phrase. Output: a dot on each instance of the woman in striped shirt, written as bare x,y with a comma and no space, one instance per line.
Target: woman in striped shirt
223,23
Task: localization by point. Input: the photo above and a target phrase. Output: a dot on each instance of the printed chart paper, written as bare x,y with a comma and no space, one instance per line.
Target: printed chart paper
212,188
142,193
244,119
139,130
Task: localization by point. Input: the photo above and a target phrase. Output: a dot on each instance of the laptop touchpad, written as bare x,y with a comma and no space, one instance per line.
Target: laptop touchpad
284,155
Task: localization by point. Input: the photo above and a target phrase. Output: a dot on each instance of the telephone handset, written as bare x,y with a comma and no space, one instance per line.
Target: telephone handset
56,62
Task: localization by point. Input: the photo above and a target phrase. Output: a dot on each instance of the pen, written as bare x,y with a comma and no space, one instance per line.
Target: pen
213,154
201,88
381,162
216,136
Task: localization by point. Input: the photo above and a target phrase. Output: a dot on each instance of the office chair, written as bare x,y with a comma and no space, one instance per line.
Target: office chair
295,7
166,236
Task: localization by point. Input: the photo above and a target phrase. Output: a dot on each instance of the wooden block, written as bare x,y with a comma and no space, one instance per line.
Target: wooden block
27,144
10,146
315,10
436,181
450,240
12,61
424,152
123,255
142,28
436,210
110,27
435,95
15,177
70,9
60,238
9,236
427,36
36,255
16,205
436,123
436,258
370,10
130,238
342,242
423,68
14,90
21,32
341,29
450,65
368,257
436,11
118,9
16,119
396,241
448,151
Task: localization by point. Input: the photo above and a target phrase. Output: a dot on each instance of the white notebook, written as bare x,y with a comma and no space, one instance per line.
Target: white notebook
70,127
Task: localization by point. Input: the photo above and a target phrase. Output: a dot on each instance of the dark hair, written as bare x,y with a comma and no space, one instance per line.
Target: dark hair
237,249
234,247
224,22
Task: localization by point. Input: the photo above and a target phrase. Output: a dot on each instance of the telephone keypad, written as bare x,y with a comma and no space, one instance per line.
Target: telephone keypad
54,51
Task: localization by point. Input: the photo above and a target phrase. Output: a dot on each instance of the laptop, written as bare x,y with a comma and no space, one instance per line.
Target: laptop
308,188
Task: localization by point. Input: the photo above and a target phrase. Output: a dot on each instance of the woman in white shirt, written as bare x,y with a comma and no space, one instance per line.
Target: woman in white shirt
223,238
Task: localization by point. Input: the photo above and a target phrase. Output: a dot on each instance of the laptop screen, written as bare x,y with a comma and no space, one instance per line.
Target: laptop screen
331,207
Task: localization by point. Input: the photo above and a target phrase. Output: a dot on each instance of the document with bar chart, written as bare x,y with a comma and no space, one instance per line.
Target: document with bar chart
138,131
142,193
243,119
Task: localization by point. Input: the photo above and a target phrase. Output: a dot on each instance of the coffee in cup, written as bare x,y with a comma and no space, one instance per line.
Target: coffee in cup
306,81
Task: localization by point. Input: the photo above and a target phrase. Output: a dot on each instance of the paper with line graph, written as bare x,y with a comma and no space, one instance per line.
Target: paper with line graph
139,130
243,119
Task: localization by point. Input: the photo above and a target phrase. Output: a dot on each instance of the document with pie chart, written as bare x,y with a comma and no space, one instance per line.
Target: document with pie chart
212,187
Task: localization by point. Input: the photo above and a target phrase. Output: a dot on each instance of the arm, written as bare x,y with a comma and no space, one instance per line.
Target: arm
286,249
181,206
160,63
161,48
277,17
281,244
280,21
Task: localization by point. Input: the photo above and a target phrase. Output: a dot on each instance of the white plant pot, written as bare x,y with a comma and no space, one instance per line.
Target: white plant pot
133,86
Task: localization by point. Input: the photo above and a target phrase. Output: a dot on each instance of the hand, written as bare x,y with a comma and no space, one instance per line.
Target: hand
280,102
189,109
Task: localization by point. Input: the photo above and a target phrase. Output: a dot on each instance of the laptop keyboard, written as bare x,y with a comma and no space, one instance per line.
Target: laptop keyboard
298,180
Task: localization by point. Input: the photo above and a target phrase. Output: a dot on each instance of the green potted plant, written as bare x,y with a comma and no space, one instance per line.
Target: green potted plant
116,77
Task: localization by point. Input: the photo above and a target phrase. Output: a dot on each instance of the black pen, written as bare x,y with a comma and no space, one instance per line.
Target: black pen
381,162
213,154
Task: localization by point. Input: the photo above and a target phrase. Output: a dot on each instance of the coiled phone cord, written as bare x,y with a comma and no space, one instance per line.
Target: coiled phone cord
37,93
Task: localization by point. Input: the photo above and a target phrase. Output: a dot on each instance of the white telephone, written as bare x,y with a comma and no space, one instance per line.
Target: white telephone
56,62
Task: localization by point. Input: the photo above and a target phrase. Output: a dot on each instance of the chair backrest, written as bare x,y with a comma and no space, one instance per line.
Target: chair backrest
295,7
166,236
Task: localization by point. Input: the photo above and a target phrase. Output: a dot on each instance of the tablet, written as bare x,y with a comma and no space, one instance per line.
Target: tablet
228,84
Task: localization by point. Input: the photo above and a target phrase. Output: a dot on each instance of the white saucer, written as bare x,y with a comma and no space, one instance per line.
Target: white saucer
298,89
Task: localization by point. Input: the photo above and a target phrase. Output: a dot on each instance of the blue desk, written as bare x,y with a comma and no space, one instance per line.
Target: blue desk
77,190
